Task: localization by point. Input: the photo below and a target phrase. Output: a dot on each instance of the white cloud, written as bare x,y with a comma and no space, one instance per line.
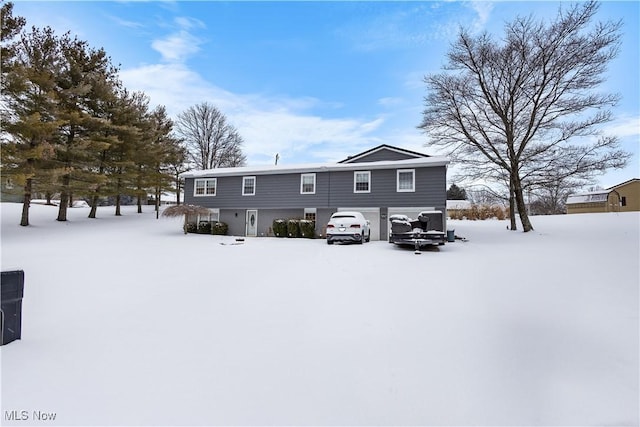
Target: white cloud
125,23
268,124
483,11
186,22
177,47
624,127
180,44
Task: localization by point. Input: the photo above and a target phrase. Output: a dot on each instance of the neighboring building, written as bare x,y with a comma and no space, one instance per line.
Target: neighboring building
379,182
623,197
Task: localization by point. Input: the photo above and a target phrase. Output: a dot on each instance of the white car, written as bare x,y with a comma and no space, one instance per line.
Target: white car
348,227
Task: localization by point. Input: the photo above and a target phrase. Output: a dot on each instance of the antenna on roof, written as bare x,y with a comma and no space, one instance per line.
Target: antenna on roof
277,158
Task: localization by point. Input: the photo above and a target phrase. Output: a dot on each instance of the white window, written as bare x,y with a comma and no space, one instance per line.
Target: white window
310,214
362,182
406,180
308,183
205,187
248,185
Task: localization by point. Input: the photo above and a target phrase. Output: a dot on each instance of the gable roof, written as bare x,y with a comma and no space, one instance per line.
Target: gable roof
624,183
590,197
596,196
411,154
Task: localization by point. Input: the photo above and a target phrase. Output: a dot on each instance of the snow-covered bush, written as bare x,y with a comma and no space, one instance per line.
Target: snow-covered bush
204,227
307,228
280,227
192,227
219,228
293,228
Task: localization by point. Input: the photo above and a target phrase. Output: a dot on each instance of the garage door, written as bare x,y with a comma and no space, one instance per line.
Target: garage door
373,215
411,212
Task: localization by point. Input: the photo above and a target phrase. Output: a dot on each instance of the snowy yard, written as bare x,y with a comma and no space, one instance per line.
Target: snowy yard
127,321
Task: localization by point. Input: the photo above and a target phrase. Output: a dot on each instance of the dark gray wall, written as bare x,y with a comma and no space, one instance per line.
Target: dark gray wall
272,191
430,186
237,223
333,189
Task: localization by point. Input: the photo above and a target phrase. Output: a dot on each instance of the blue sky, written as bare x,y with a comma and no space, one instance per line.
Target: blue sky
314,81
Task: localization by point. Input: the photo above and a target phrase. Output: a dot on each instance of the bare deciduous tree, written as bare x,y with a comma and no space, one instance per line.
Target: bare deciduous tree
526,108
210,140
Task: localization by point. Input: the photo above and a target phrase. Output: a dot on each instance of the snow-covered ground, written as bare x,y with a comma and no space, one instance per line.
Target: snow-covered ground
127,321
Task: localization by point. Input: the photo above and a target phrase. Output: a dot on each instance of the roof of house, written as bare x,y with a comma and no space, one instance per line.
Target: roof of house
592,197
383,147
596,196
317,167
624,183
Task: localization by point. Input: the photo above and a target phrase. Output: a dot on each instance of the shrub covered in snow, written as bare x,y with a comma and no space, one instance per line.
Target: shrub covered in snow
307,228
204,227
280,227
207,227
293,228
219,228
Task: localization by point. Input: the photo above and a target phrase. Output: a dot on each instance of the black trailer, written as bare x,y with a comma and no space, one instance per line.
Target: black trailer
418,233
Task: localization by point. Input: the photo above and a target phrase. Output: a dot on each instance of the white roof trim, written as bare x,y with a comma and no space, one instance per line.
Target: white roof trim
317,167
384,147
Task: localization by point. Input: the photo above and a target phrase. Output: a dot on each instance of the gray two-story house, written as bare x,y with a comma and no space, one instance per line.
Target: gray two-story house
379,182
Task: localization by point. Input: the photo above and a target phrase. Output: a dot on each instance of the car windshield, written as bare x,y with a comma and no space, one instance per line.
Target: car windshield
343,216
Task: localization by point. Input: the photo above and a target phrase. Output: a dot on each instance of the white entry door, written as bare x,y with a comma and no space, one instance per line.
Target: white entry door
252,223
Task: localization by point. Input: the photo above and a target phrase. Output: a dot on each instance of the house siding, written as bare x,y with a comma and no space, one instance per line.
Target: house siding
382,155
333,189
236,219
277,195
430,189
271,191
591,207
631,192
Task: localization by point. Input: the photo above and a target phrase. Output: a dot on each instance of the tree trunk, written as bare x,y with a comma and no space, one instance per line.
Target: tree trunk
178,190
520,203
512,206
118,186
118,205
24,220
139,203
64,199
94,206
158,194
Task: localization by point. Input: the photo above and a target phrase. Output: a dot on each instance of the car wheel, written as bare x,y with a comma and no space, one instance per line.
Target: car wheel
368,237
329,242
